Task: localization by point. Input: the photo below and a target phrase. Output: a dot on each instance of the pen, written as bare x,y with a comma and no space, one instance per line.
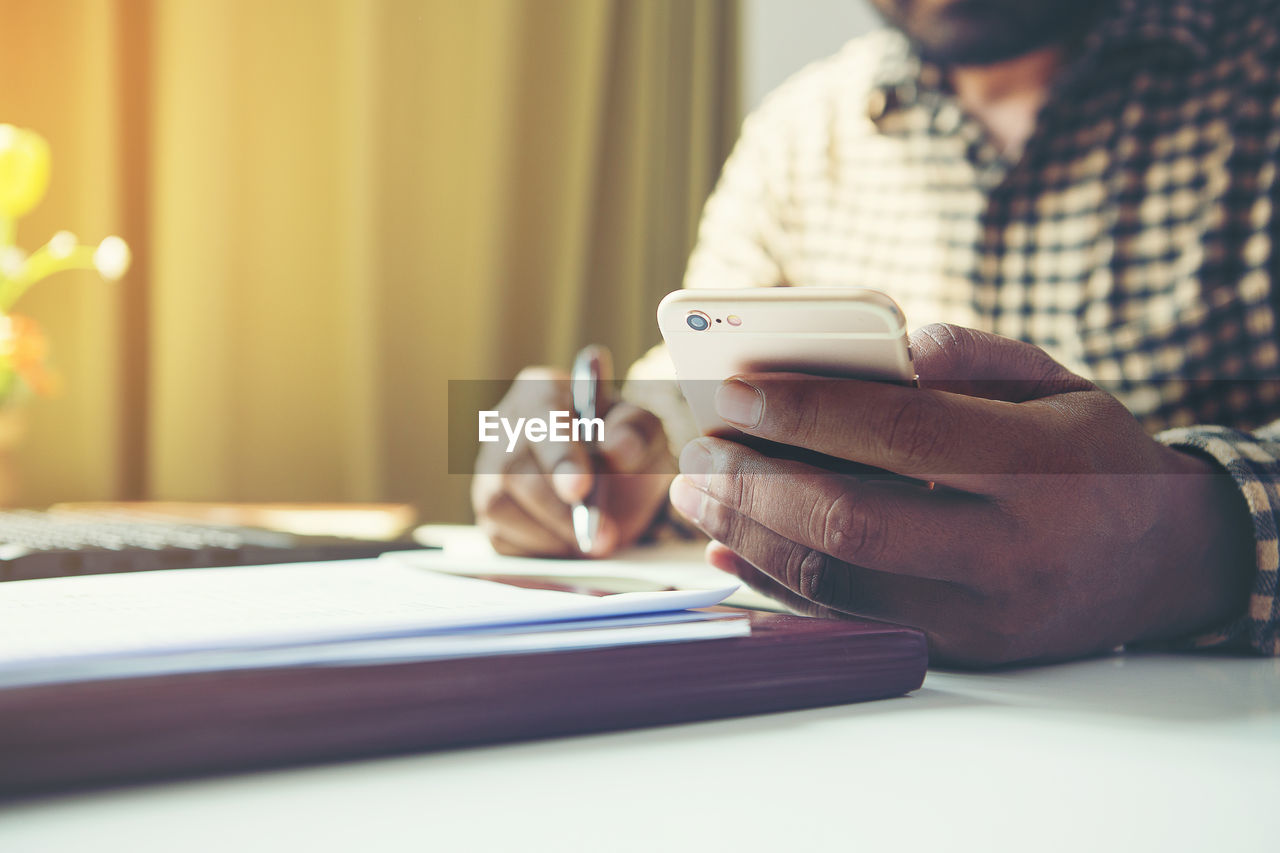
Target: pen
588,383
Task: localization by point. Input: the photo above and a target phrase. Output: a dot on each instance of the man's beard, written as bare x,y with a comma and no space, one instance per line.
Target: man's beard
984,32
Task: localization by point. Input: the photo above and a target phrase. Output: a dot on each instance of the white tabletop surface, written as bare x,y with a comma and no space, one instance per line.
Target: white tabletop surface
1127,753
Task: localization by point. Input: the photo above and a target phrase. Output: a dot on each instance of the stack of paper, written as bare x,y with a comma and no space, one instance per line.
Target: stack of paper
365,611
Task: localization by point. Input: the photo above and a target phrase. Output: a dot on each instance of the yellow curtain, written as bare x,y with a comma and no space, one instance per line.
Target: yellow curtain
337,206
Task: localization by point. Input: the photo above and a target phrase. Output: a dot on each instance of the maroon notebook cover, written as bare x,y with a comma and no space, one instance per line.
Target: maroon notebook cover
58,737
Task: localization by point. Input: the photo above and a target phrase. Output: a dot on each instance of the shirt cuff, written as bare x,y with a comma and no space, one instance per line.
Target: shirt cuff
1254,465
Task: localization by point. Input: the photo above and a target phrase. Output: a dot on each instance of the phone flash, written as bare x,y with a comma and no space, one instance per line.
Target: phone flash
734,320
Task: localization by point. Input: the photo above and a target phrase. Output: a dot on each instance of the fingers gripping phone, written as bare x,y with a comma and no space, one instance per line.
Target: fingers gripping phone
852,333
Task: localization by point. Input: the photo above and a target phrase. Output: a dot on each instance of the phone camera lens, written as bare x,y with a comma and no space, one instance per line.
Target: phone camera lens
698,321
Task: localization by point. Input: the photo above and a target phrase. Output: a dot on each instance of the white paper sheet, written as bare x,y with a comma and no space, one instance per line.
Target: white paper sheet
466,551
191,610
677,627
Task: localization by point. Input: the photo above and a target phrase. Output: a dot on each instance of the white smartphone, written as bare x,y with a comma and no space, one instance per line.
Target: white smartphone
846,332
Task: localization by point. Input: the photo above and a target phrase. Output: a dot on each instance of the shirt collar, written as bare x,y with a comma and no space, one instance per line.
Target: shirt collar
1181,28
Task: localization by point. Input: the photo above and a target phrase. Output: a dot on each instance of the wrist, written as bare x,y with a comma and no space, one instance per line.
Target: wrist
1205,552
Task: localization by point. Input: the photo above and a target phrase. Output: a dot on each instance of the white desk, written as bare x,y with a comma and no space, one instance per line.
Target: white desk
1139,753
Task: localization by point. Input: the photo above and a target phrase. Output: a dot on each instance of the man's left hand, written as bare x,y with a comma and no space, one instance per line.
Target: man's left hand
1057,527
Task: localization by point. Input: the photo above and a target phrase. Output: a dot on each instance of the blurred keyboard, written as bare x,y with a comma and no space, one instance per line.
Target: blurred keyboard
56,543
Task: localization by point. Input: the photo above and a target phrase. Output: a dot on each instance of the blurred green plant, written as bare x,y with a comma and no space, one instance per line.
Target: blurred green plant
24,177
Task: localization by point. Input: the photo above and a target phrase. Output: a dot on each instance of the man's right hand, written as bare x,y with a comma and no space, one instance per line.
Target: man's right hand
523,499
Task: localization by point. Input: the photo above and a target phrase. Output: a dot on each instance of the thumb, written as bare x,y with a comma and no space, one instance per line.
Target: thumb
980,364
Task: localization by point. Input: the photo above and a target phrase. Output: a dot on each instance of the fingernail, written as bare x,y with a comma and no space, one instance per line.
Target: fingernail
626,448
686,499
696,464
739,403
566,479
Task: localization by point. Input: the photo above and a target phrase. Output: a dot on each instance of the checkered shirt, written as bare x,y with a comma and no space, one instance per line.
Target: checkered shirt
1132,237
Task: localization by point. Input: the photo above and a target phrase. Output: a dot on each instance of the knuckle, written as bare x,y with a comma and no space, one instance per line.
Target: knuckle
954,343
742,496
816,579
787,407
809,573
851,530
1083,430
810,413
911,432
950,337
